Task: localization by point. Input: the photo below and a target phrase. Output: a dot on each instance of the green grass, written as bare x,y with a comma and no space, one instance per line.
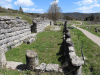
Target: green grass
45,45
90,50
14,15
73,22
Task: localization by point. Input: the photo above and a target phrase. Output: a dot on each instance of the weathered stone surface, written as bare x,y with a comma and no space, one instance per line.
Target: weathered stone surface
60,70
41,67
31,59
2,36
69,43
75,60
10,43
3,31
4,41
4,18
68,40
79,71
13,65
30,40
52,67
2,57
71,49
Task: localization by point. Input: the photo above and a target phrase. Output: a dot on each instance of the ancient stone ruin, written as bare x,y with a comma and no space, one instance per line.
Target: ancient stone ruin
74,63
13,32
39,24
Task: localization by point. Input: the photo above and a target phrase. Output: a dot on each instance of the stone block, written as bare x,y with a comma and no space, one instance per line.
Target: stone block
71,49
68,39
13,65
2,57
3,31
10,43
31,59
75,60
2,36
41,67
52,67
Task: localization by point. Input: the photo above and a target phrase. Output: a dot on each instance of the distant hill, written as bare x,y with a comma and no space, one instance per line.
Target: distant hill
80,16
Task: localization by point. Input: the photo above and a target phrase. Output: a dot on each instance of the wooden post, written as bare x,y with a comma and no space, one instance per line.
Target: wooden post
31,60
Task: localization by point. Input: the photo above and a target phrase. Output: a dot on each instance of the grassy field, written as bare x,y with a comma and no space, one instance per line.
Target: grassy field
91,52
14,15
46,45
73,22
92,29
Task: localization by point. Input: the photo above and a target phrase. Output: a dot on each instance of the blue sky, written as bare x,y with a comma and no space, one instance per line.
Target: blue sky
41,6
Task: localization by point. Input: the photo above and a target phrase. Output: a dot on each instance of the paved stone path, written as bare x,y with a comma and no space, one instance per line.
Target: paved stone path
91,36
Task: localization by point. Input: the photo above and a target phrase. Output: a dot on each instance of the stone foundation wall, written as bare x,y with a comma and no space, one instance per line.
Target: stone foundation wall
39,25
13,32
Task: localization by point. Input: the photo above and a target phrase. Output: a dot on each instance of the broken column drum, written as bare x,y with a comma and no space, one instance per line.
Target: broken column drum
31,60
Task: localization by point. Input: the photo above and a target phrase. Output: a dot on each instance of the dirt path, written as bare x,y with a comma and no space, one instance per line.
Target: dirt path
91,36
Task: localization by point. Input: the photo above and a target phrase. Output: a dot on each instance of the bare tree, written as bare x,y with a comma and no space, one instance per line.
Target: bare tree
54,11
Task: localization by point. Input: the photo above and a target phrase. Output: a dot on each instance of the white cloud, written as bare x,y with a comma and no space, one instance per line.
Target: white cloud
55,2
85,2
32,9
83,8
26,3
7,6
6,3
87,5
8,0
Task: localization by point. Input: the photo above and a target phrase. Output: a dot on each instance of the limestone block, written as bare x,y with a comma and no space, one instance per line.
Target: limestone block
16,41
71,49
31,40
2,23
3,31
31,59
2,36
10,43
15,37
3,41
13,65
14,21
2,57
9,39
4,18
19,43
41,67
68,39
4,46
52,67
75,60
5,26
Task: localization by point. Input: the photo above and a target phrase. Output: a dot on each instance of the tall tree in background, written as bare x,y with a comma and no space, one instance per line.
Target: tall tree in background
20,9
54,12
92,18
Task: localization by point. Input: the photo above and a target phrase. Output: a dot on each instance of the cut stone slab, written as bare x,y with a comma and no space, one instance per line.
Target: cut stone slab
52,67
41,67
71,49
2,57
68,39
60,70
76,61
12,65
